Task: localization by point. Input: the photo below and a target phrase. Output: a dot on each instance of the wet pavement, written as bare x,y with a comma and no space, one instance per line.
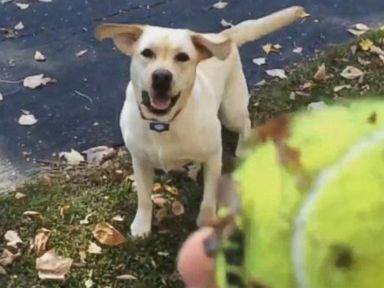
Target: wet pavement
81,110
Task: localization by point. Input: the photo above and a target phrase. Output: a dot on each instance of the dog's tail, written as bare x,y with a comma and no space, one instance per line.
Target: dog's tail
252,30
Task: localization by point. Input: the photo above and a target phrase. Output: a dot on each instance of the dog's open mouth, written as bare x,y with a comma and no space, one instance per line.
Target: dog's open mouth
160,103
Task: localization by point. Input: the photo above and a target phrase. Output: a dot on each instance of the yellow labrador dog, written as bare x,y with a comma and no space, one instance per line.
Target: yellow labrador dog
182,84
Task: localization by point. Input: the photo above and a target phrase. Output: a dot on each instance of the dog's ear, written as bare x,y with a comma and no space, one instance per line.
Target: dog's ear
123,35
211,45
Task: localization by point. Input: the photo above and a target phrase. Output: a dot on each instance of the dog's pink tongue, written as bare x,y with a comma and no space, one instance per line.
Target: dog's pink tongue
161,103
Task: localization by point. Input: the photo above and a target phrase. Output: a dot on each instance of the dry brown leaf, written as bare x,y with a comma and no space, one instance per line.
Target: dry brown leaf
157,188
93,248
271,48
39,56
259,61
351,72
20,195
363,62
159,200
12,238
171,189
81,53
377,50
366,44
7,257
177,208
83,256
41,240
27,119
35,81
220,5
51,266
63,210
126,277
19,26
321,73
3,271
279,73
106,234
341,87
73,157
98,155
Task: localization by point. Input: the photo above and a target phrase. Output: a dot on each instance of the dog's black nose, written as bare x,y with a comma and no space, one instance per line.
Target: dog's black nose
161,80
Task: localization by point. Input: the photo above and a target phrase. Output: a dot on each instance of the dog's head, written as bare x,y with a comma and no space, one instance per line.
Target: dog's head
164,61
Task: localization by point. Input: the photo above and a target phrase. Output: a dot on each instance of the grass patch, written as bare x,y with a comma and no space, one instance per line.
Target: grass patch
106,192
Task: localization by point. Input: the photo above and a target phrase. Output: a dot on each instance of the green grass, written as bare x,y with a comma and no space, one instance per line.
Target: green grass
106,193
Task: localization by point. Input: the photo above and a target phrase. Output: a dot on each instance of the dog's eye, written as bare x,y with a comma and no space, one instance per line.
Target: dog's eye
182,57
148,53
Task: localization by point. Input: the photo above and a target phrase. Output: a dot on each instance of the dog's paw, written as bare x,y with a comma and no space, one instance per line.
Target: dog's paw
207,216
140,228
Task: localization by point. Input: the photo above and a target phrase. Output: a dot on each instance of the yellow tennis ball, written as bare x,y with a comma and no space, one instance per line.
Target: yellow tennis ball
313,202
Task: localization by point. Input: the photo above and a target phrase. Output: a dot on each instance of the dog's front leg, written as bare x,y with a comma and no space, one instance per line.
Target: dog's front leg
144,174
212,172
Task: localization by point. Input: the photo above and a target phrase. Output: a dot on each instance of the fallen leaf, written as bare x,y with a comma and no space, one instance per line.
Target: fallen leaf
93,248
8,33
83,256
159,200
280,73
118,218
3,271
27,119
261,83
126,277
39,56
353,49
106,234
356,32
341,87
259,61
33,214
171,189
85,221
98,155
225,23
81,53
220,5
381,58
19,26
298,50
351,72
35,81
377,50
177,208
157,188
22,6
321,73
363,62
51,266
73,157
365,44
7,257
20,195
271,48
63,210
12,239
317,105
41,240
89,283
292,96
306,86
